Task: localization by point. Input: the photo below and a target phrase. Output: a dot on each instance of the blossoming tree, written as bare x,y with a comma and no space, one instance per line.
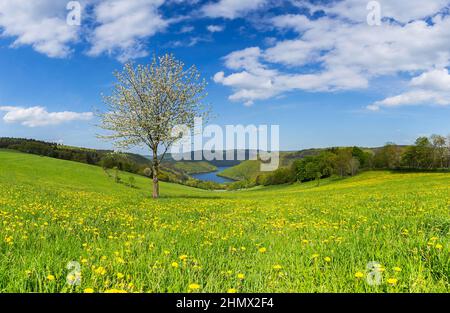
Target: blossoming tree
148,102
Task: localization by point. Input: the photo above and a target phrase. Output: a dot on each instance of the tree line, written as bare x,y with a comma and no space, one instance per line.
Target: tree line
427,153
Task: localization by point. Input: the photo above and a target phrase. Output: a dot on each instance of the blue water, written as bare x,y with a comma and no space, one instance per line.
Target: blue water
212,176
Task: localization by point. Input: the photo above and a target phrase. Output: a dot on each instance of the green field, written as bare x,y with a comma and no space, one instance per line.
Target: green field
296,238
246,170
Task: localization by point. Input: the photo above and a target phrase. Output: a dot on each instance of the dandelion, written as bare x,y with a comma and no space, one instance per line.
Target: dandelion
277,267
174,264
120,260
392,281
359,275
327,259
88,290
50,277
194,286
262,250
100,270
183,257
241,276
231,290
120,275
438,246
397,269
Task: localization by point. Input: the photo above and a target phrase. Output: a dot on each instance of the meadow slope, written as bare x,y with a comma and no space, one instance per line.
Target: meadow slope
297,238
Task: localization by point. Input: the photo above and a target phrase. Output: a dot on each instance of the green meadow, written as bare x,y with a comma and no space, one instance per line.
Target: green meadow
69,227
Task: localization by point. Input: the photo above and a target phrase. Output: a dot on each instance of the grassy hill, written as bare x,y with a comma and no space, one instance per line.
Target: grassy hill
296,238
191,167
250,169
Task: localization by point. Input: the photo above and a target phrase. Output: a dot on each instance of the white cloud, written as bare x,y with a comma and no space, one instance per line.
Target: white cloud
254,81
121,26
401,11
231,8
437,79
40,24
342,52
215,28
124,25
429,88
39,116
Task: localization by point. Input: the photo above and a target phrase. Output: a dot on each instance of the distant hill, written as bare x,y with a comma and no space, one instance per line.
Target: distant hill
172,170
250,169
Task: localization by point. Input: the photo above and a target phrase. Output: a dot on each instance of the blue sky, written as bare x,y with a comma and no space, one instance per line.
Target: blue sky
316,68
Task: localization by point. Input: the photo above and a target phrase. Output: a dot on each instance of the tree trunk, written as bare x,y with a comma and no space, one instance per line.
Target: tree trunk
155,172
155,187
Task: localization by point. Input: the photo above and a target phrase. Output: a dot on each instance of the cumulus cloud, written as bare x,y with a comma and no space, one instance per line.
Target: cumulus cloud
231,8
123,25
39,116
340,51
429,88
115,27
399,10
40,24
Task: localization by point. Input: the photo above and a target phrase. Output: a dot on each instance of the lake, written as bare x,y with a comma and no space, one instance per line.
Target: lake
212,176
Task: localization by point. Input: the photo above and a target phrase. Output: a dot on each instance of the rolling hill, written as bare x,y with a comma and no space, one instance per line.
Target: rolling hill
295,238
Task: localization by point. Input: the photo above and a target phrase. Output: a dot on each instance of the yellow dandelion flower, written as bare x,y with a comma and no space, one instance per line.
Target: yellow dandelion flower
277,267
183,257
359,275
392,281
327,259
88,290
100,270
175,264
194,286
120,260
438,246
241,276
50,277
232,290
262,250
397,269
